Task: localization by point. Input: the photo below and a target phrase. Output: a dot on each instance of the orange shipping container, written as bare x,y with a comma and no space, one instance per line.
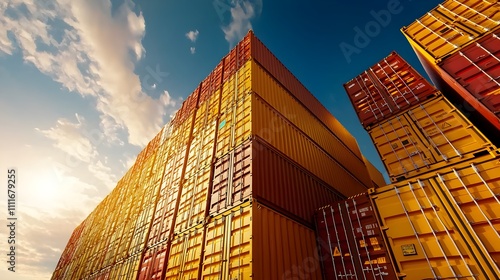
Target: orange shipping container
452,25
273,66
426,238
430,136
254,242
473,188
378,179
273,93
256,170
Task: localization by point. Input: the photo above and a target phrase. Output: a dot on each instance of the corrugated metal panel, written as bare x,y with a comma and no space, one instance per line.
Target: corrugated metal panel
282,248
452,25
246,173
228,246
429,136
234,124
426,239
254,242
269,125
154,263
387,88
267,88
378,179
193,201
351,241
269,62
474,187
477,68
184,256
448,131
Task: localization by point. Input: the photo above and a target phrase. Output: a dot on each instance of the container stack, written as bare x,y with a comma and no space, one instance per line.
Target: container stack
228,188
440,217
457,42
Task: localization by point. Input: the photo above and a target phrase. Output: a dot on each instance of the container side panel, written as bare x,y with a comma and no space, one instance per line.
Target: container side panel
453,25
474,188
282,248
421,233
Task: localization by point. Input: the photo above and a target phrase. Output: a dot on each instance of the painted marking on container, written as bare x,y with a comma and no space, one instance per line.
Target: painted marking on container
222,124
336,252
445,125
409,250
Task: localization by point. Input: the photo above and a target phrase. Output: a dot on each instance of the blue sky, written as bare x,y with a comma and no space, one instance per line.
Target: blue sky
84,85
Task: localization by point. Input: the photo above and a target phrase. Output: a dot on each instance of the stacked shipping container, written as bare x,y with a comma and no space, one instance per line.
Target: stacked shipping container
458,44
440,220
227,186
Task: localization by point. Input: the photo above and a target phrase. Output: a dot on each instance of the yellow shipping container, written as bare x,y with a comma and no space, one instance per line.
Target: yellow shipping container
452,25
193,201
473,188
426,236
184,256
252,241
427,137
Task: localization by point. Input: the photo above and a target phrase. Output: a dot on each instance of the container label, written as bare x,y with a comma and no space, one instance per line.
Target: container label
409,250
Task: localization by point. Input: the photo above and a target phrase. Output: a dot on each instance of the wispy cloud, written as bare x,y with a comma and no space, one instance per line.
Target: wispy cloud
192,35
242,12
94,54
192,50
72,139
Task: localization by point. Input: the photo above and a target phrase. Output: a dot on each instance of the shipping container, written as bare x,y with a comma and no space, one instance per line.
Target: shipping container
387,88
453,25
476,68
376,176
351,242
472,188
185,254
427,137
153,265
256,170
252,241
278,71
271,126
193,201
426,238
270,91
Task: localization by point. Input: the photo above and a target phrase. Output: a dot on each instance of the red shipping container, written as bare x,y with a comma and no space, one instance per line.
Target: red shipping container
476,68
351,243
387,88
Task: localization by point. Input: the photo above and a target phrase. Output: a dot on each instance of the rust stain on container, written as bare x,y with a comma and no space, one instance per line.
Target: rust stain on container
351,241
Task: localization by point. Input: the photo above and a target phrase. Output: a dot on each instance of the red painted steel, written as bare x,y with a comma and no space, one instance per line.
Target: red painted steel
387,88
351,242
256,170
154,263
477,69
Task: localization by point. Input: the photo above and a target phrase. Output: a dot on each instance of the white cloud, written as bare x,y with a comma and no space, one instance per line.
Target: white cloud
242,12
94,56
193,35
72,138
192,50
104,174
